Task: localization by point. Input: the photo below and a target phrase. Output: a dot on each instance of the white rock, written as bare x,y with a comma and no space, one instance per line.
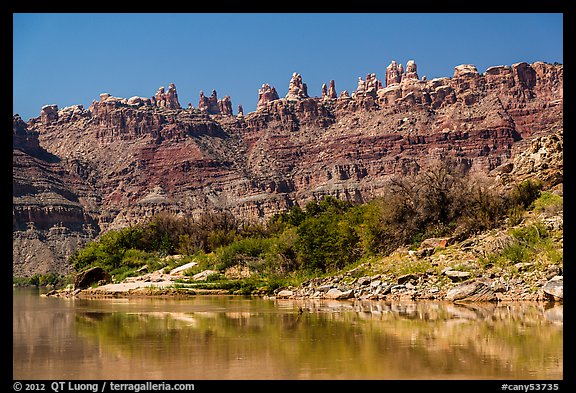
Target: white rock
284,293
180,270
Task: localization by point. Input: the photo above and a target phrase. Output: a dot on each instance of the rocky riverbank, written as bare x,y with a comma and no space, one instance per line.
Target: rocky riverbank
475,269
414,286
425,287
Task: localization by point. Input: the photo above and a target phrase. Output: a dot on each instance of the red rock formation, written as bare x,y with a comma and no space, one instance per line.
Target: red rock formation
297,89
410,70
368,87
332,90
49,114
168,99
266,94
360,88
213,107
54,208
329,93
24,140
393,74
139,101
210,104
372,85
203,103
225,106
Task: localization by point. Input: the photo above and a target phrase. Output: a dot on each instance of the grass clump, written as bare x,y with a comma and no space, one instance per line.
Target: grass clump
533,245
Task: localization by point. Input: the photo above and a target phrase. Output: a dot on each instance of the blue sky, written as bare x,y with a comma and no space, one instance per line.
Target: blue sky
69,58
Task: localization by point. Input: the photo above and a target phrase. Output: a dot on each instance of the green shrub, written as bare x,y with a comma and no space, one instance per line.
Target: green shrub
43,280
108,251
326,242
134,258
531,234
516,215
292,217
280,257
532,243
242,251
525,193
515,253
331,234
549,202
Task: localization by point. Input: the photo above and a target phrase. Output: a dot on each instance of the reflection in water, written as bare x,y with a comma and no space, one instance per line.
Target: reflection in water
236,338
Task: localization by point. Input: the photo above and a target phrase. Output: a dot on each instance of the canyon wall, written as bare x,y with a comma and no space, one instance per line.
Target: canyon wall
78,172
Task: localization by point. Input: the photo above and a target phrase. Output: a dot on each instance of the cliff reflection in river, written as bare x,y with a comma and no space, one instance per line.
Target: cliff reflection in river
235,338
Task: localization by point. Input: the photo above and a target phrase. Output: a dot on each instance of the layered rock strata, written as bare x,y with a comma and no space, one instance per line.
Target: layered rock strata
123,160
55,209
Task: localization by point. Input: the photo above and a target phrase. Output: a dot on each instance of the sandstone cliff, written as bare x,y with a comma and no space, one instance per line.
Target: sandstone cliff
77,171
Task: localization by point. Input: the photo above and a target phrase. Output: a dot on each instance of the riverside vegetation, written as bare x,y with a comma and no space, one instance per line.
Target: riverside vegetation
426,225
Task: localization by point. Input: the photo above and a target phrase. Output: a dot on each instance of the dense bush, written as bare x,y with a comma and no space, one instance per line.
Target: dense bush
244,251
108,251
325,235
525,193
42,280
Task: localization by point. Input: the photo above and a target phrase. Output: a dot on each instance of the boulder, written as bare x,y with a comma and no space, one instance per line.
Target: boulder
181,269
456,275
435,242
91,276
284,293
477,291
554,289
324,288
407,277
203,275
335,293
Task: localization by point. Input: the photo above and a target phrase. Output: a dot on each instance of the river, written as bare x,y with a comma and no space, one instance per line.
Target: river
237,338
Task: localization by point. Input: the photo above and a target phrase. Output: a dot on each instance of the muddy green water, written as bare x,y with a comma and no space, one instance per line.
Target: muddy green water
225,337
